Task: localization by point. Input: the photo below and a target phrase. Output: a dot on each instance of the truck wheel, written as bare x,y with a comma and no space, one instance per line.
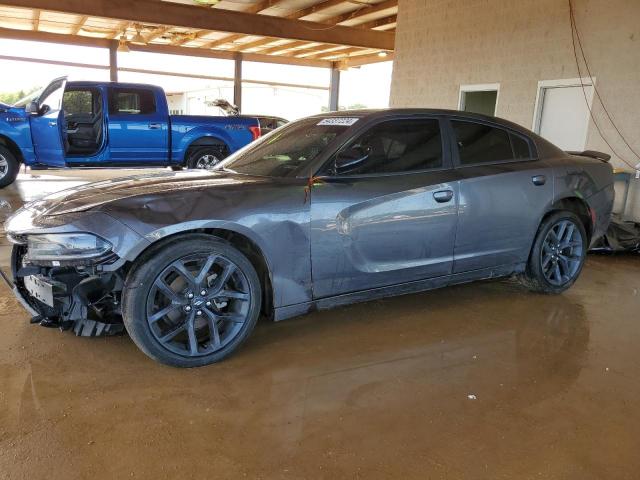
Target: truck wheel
206,156
192,301
558,254
9,167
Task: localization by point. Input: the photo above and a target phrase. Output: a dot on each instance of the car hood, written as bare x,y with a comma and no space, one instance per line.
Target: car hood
95,195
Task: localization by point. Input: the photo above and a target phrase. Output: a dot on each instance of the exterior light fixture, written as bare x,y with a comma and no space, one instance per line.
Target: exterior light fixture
122,45
382,54
138,38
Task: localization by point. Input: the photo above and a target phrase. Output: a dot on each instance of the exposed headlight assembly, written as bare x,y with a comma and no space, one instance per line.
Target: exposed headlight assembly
66,248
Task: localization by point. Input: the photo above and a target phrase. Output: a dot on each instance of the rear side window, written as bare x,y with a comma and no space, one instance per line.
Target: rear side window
125,101
478,143
398,146
521,148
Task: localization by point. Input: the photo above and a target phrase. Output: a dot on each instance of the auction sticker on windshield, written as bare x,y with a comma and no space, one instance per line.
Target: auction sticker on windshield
346,121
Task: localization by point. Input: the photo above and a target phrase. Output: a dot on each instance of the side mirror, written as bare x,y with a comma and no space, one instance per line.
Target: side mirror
32,107
350,158
44,109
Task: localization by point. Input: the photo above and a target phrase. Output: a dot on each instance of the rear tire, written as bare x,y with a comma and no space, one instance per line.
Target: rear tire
9,167
192,301
558,254
206,156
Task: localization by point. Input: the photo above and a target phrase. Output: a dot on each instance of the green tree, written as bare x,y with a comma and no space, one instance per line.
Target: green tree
12,97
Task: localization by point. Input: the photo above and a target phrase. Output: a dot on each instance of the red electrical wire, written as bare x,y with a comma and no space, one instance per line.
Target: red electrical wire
574,33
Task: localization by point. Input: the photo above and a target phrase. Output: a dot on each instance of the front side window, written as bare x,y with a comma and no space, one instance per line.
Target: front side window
393,146
479,143
52,95
131,102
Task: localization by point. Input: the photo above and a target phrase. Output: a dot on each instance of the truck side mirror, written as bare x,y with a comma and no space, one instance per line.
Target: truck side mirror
32,107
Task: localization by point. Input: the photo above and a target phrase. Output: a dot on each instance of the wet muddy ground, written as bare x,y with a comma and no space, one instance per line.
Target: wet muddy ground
477,381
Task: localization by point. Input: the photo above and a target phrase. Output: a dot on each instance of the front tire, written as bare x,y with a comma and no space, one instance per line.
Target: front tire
9,167
558,254
192,301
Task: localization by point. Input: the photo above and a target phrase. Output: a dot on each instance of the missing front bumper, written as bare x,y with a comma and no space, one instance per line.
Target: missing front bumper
71,311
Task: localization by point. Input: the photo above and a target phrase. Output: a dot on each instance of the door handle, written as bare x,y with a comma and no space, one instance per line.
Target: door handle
53,124
155,126
443,196
539,180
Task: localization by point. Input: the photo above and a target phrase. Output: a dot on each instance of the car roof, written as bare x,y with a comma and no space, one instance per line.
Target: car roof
388,112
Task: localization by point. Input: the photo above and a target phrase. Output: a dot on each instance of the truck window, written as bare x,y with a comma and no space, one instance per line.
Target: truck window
131,101
78,102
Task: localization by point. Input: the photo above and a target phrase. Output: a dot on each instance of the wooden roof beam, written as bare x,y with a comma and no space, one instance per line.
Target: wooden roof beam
67,39
223,40
381,22
318,7
187,16
78,26
307,52
121,29
35,22
257,8
158,32
284,48
335,54
363,12
249,45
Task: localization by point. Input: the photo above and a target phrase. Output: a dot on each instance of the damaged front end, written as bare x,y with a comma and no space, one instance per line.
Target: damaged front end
70,295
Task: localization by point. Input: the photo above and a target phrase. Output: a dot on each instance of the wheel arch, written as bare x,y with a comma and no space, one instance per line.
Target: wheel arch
203,141
577,206
13,147
572,204
244,243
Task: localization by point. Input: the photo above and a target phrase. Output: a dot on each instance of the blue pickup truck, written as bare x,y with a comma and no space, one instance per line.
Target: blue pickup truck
107,124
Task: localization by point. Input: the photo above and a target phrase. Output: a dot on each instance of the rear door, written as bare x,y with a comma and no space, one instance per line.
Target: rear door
46,125
391,218
138,126
504,192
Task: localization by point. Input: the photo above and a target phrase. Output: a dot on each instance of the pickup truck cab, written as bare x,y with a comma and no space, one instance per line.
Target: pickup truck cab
108,124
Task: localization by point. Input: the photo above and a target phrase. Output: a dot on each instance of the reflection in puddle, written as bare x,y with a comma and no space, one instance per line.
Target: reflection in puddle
403,368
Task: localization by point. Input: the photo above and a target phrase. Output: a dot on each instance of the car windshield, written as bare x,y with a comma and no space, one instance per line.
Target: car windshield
287,150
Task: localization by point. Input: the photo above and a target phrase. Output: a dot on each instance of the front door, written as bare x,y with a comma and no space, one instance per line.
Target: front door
47,124
504,191
386,218
138,129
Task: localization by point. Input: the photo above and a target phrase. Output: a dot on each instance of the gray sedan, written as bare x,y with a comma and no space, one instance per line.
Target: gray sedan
324,211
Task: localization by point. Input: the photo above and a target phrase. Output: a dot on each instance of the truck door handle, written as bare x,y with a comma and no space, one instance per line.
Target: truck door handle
443,196
155,126
539,180
53,124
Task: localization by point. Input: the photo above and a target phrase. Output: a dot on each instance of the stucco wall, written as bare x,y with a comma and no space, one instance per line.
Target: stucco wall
442,44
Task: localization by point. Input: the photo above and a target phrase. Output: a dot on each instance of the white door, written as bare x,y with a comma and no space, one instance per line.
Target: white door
564,116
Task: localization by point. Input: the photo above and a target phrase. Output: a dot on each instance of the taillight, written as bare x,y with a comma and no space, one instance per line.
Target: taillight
255,131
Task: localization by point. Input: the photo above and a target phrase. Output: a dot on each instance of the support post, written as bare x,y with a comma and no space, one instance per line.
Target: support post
113,61
334,89
237,81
